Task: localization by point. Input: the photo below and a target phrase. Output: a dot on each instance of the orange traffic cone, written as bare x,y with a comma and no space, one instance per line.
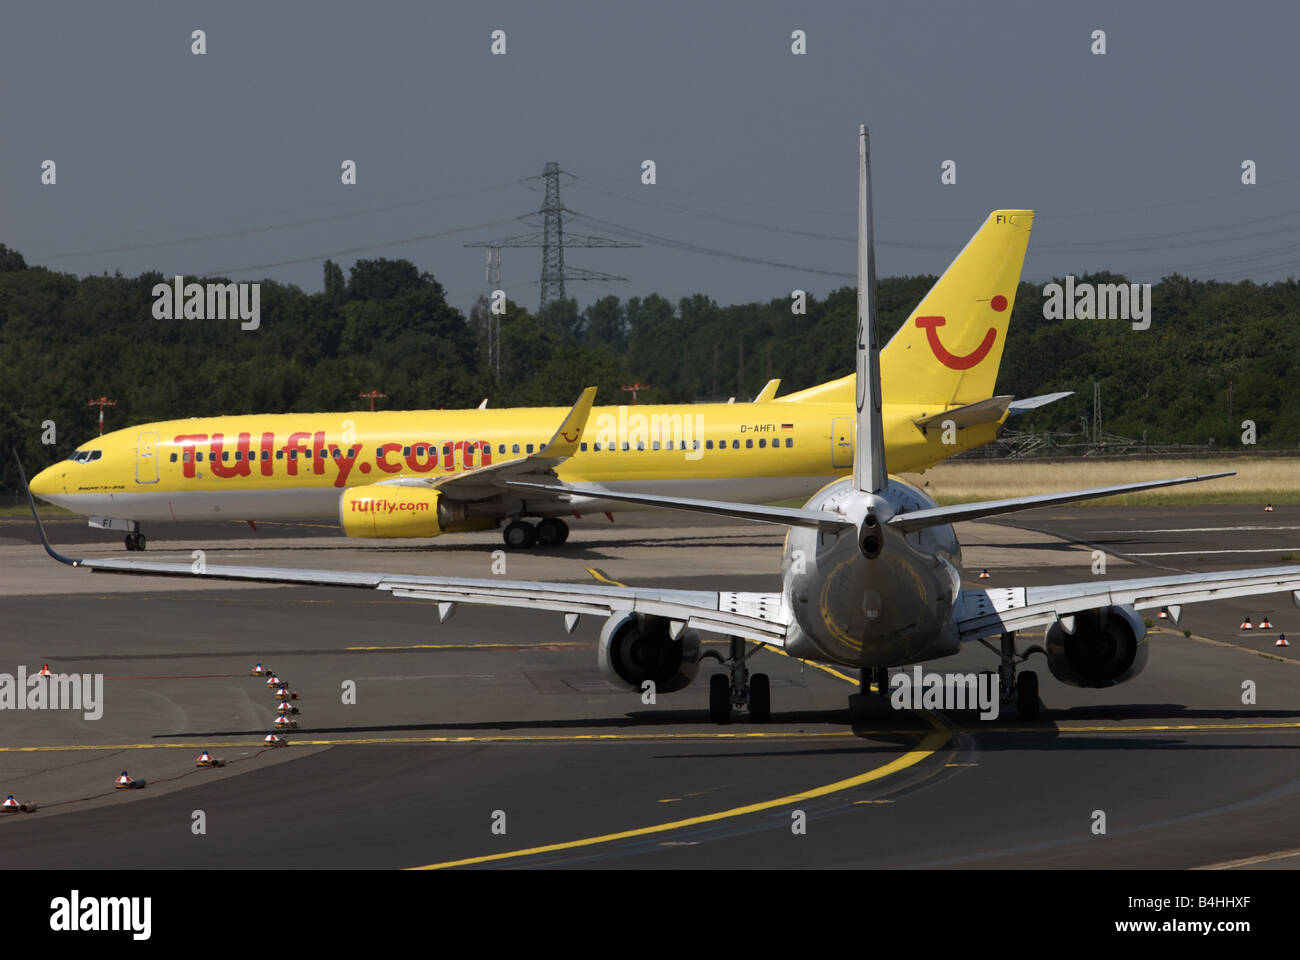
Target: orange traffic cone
271,740
1246,625
1163,614
1281,641
207,760
259,671
45,670
274,681
1265,625
286,708
984,575
284,723
284,693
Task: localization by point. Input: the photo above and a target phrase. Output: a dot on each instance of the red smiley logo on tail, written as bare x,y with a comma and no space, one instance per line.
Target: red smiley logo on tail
570,439
950,360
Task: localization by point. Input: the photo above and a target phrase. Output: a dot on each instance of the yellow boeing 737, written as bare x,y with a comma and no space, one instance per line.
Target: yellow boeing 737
426,472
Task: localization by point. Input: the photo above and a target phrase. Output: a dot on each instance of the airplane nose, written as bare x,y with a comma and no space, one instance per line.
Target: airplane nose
46,483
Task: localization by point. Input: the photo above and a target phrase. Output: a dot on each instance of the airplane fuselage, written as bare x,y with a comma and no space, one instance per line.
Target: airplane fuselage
892,608
294,466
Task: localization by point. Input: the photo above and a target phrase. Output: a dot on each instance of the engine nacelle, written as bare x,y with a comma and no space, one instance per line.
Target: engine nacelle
634,648
388,510
1108,647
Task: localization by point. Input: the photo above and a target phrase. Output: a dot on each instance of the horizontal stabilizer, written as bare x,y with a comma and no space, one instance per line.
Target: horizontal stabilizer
920,519
1033,403
972,414
791,516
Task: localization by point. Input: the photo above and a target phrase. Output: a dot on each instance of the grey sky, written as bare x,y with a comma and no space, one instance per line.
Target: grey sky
154,145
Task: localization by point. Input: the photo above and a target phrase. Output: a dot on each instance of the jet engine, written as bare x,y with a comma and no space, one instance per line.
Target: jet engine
389,510
1108,647
634,648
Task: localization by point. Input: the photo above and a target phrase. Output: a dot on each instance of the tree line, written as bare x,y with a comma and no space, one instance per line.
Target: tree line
387,325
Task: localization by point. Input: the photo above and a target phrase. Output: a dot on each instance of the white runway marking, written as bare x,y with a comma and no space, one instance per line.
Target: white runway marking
1198,529
1192,553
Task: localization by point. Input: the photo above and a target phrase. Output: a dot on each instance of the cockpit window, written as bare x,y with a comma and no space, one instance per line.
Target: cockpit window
85,456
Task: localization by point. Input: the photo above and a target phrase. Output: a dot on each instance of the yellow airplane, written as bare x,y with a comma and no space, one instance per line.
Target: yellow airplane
426,472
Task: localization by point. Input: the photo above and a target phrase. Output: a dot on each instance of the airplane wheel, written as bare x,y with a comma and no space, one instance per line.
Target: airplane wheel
1027,695
140,541
520,535
129,540
720,698
760,698
552,532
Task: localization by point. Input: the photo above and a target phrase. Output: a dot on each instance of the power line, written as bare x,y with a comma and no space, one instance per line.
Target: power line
374,246
672,244
228,234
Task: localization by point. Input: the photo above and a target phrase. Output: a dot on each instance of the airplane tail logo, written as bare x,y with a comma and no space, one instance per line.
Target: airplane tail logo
950,349
931,327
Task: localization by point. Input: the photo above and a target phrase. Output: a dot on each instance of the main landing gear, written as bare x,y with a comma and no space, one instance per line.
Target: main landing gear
877,677
1020,688
135,541
550,532
738,687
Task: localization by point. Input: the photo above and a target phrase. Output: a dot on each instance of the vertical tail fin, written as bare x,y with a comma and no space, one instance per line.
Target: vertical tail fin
869,471
949,350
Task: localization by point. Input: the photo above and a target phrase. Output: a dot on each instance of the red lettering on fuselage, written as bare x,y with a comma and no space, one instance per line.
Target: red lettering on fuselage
268,448
422,466
187,443
344,461
382,461
240,468
413,458
291,450
318,453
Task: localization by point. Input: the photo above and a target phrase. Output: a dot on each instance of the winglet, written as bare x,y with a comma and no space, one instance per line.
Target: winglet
40,527
769,391
566,439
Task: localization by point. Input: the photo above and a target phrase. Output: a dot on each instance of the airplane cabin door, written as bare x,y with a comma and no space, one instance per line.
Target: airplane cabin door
146,457
842,442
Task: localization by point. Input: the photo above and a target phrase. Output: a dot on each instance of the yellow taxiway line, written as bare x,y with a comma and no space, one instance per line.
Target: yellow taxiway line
859,733
932,743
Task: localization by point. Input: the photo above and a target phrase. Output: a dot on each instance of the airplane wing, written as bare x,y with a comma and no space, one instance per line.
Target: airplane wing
762,617
795,516
829,522
934,516
990,612
483,482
